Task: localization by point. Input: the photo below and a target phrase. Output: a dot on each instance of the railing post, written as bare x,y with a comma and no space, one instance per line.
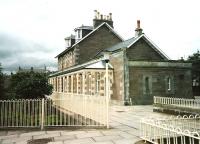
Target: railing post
107,97
42,115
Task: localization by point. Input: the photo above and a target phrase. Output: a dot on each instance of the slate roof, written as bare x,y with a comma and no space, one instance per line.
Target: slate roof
70,37
85,27
128,43
120,45
93,64
104,23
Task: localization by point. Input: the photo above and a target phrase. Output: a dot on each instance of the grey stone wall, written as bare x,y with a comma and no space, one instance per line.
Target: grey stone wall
158,84
100,39
118,76
141,50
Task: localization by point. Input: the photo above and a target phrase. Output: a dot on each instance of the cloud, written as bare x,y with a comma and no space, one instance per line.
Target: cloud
15,52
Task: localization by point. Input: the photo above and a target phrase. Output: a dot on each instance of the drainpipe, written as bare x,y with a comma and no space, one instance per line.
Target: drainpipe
126,76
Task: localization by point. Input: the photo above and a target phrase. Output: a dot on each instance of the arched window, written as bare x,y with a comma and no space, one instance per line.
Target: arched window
147,89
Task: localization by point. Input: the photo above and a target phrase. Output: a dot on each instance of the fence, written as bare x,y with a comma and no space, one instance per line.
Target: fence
70,110
181,102
179,130
92,109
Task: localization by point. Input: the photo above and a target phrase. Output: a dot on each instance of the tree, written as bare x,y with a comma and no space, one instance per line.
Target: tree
1,83
194,57
29,85
195,60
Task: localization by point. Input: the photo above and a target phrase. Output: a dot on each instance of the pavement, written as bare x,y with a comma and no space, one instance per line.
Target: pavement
124,129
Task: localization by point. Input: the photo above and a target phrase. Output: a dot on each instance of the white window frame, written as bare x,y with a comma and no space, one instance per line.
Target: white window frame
169,88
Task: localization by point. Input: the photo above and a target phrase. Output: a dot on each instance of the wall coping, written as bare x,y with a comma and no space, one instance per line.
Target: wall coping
159,64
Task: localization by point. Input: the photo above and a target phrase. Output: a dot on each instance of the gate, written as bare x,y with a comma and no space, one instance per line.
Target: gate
74,110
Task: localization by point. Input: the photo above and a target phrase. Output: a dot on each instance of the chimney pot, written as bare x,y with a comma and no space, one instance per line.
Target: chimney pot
95,14
101,16
138,30
138,24
110,15
107,17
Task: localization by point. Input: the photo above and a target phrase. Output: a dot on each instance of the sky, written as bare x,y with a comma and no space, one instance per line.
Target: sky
32,32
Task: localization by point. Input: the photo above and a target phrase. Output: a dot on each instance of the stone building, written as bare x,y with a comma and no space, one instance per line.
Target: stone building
138,69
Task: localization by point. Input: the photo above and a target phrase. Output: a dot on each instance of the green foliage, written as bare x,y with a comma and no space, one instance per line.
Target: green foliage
29,85
195,56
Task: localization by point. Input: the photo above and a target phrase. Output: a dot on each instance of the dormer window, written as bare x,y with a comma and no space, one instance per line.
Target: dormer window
78,34
82,31
69,41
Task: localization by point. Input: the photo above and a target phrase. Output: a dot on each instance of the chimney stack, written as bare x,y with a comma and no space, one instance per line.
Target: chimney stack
138,30
100,18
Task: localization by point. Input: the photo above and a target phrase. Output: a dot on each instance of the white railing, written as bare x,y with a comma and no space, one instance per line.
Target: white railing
181,102
180,130
20,113
60,110
91,108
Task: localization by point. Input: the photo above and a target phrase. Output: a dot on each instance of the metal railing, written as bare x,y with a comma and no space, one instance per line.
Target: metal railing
60,110
181,102
20,113
91,108
179,130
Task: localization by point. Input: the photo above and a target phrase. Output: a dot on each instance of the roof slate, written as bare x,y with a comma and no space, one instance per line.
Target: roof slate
120,45
85,27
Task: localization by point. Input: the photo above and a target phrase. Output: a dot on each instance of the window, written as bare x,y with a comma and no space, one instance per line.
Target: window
97,83
147,90
89,84
68,43
169,84
70,84
65,84
78,35
195,82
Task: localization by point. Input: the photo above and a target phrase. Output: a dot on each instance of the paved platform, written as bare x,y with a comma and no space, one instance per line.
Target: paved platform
124,122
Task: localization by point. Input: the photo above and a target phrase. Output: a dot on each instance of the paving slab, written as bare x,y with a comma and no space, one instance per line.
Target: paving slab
14,140
127,141
9,136
80,141
72,132
57,142
65,137
34,133
89,134
107,138
46,135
